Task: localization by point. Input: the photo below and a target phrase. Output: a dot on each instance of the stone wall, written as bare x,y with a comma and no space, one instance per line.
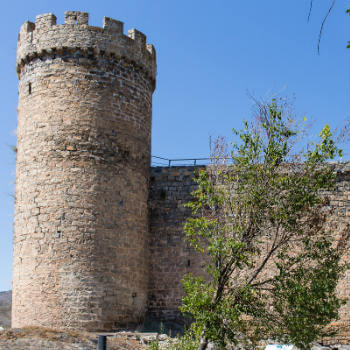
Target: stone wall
171,258
81,255
340,220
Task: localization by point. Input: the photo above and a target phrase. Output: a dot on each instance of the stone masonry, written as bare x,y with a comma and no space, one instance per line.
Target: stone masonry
98,236
171,257
81,257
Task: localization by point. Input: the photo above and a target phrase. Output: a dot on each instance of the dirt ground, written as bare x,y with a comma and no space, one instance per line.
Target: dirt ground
34,338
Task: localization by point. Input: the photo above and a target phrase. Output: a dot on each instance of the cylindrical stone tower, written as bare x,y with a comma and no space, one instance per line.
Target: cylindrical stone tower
84,133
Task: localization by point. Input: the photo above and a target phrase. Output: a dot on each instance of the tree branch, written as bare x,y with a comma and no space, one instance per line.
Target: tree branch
322,25
268,256
310,10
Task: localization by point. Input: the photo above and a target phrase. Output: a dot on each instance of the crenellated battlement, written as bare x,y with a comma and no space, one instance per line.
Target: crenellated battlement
45,37
76,17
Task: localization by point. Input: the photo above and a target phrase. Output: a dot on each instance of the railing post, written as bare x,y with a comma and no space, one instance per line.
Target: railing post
102,342
195,162
169,162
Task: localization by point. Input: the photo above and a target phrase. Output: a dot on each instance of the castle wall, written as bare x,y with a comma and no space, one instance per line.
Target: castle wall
81,252
171,258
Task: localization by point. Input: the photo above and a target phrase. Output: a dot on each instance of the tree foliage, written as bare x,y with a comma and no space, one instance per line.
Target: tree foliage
260,222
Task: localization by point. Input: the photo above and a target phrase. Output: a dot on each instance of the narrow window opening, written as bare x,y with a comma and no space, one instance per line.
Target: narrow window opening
29,88
188,263
75,20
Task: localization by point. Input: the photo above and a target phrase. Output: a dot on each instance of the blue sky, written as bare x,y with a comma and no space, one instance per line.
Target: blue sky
211,56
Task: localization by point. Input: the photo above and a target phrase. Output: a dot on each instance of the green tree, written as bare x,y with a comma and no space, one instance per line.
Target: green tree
260,222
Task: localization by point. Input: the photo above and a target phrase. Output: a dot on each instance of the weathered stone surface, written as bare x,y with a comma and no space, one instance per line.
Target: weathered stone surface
171,257
45,38
81,255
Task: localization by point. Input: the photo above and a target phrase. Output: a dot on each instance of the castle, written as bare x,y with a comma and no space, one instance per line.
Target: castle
98,239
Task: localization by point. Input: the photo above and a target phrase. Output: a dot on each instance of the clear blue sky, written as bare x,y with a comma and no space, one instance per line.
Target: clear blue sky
211,55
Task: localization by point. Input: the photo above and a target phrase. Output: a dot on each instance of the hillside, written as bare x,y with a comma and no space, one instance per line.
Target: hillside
5,309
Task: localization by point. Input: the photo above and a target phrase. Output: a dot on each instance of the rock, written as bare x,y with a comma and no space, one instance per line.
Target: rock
148,339
212,346
317,346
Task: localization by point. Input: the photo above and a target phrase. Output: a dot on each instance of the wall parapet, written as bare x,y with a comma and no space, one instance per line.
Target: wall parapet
338,167
45,36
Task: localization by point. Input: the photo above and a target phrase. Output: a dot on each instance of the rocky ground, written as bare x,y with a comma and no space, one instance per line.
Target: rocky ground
34,338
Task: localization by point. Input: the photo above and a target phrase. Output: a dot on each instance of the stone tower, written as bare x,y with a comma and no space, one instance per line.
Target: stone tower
81,230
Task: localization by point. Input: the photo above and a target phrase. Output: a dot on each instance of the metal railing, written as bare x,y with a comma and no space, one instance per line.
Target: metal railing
167,162
160,161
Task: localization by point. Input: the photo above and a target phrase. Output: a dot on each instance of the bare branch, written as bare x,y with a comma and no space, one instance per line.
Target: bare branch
273,248
322,25
310,10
